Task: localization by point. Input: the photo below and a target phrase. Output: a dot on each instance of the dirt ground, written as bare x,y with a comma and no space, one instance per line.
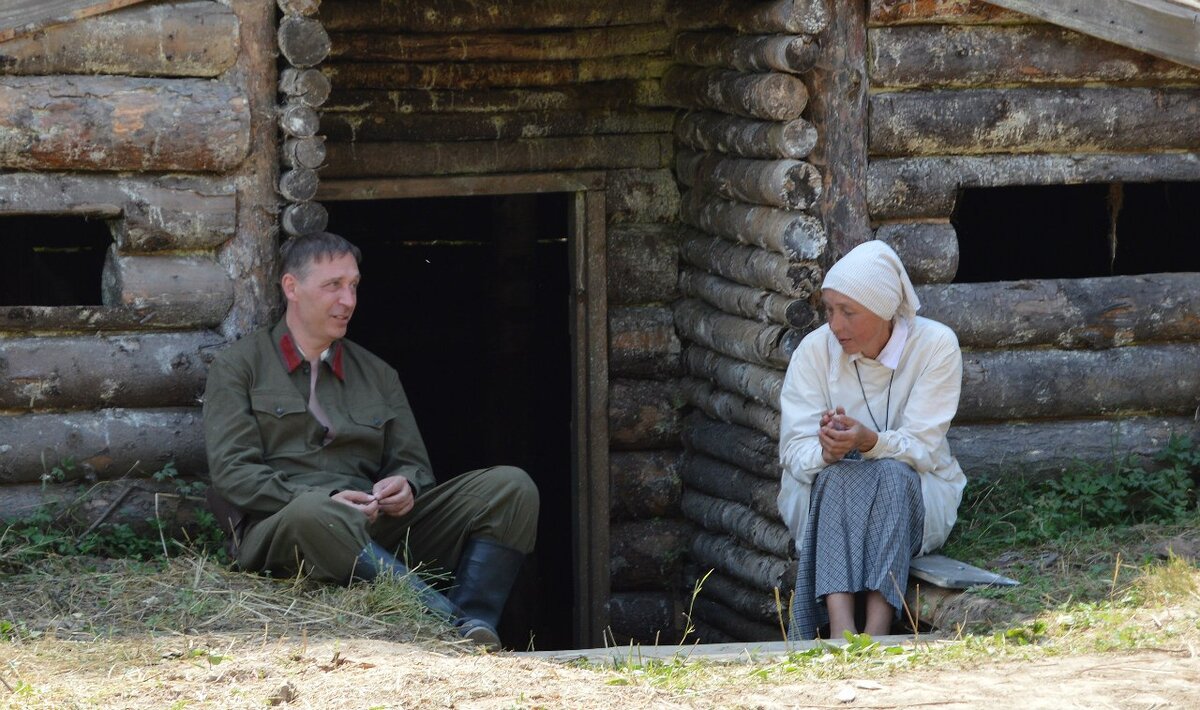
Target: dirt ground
223,672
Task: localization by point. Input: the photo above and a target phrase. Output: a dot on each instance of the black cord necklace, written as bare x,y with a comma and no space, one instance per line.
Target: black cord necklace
887,411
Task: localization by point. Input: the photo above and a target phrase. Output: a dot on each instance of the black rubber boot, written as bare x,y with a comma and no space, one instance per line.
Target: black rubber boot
375,561
484,577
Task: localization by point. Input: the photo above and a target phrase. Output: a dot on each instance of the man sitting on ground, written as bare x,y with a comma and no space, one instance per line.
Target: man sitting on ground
318,467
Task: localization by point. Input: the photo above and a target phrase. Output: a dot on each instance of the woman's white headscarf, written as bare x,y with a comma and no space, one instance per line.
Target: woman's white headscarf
871,273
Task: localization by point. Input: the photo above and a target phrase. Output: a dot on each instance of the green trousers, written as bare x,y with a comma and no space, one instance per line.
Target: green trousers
323,537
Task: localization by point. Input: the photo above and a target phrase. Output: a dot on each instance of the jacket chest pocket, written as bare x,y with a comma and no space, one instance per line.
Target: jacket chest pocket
282,420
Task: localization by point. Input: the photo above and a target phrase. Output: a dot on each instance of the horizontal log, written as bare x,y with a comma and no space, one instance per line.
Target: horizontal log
965,12
1033,450
539,155
304,153
730,407
101,445
747,301
771,16
642,342
796,235
747,340
383,127
755,53
786,184
308,86
760,384
110,123
1031,384
644,484
147,370
303,41
727,482
726,517
750,266
745,137
644,196
644,414
198,39
589,43
644,618
493,15
643,263
146,506
492,75
615,95
1026,120
191,283
771,96
752,568
929,250
1069,313
304,218
299,185
927,187
97,319
647,554
151,213
755,604
956,56
744,448
734,624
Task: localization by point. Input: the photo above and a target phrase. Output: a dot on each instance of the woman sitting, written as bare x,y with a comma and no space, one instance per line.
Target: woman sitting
869,480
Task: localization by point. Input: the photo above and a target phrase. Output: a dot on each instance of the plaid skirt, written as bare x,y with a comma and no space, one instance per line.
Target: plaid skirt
866,520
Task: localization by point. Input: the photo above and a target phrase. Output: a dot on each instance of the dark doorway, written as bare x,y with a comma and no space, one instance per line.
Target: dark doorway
467,297
1077,231
52,260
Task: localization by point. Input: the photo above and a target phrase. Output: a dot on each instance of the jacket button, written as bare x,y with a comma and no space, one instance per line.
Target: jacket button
279,410
377,421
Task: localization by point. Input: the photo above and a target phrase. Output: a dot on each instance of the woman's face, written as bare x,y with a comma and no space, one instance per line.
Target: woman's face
856,328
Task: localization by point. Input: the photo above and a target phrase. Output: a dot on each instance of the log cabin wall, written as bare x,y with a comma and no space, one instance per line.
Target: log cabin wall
446,88
968,96
912,102
155,124
756,207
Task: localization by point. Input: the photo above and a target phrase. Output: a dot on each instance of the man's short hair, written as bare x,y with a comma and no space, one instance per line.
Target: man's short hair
298,253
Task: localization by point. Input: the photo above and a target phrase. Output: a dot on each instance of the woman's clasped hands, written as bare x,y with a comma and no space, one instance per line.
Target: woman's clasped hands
839,434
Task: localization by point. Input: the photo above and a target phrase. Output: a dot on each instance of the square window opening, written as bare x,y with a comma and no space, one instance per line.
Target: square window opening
53,260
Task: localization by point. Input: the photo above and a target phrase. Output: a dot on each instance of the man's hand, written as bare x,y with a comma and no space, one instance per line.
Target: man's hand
394,495
358,499
840,434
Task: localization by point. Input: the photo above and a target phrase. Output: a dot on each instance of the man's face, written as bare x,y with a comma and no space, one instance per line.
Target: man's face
320,303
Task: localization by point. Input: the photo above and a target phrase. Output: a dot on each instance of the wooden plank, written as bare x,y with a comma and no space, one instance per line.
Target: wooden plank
392,126
644,414
184,39
620,95
473,16
1170,30
1034,120
465,185
22,17
621,40
357,160
952,574
961,56
459,76
642,342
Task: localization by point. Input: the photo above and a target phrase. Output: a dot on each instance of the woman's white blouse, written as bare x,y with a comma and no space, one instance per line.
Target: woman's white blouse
924,398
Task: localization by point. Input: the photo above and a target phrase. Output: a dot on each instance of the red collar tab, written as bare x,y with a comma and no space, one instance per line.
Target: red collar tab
293,359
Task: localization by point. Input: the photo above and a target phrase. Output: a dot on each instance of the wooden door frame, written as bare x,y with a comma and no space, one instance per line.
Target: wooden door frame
589,354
